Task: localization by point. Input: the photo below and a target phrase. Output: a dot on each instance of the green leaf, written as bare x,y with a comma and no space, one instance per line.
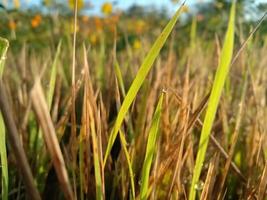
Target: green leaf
97,169
3,49
127,155
150,149
119,77
139,79
220,77
53,76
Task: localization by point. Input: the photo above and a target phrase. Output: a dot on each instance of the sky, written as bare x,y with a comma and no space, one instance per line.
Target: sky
124,4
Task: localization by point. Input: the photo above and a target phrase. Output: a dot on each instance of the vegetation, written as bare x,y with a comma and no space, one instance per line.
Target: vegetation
133,104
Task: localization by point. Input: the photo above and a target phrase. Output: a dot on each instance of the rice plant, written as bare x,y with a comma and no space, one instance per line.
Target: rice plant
133,104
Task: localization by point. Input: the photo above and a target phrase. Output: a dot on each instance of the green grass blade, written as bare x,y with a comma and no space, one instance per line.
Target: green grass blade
193,33
81,168
122,89
150,149
119,77
216,92
53,76
99,194
3,159
3,49
127,155
139,79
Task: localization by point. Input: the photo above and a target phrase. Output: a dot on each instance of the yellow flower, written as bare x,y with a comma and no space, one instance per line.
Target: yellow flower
106,8
80,4
12,25
137,44
36,21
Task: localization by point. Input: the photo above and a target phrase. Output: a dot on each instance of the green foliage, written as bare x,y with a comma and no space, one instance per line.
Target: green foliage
128,159
139,79
3,50
114,76
220,77
150,149
53,76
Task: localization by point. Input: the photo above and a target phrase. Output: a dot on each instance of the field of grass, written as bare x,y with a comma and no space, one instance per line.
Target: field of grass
124,107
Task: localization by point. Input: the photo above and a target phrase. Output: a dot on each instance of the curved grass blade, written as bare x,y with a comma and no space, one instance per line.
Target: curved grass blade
220,77
139,79
3,49
150,150
127,155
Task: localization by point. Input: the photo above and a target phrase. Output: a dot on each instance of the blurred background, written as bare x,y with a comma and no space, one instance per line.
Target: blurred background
39,20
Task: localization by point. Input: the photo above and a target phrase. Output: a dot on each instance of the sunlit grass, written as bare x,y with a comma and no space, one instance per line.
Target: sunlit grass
150,149
3,153
110,131
139,78
217,87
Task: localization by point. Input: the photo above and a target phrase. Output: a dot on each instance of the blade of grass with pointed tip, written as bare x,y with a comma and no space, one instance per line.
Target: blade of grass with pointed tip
127,155
49,134
150,149
122,88
221,74
49,96
193,33
119,77
139,79
3,49
53,75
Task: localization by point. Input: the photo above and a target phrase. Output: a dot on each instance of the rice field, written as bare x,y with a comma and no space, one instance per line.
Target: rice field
133,104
